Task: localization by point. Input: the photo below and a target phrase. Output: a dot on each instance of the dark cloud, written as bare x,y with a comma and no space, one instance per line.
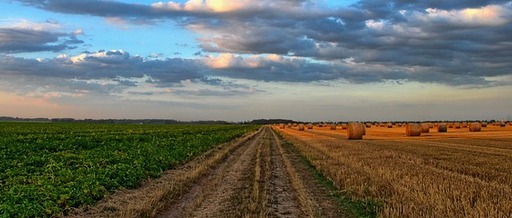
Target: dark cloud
140,13
447,5
90,7
103,65
17,40
370,41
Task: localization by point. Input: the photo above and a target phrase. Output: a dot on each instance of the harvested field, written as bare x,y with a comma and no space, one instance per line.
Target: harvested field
452,174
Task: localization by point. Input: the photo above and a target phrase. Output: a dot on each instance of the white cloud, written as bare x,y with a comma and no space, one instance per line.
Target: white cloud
30,25
105,56
228,60
224,6
491,15
167,6
217,6
78,32
377,25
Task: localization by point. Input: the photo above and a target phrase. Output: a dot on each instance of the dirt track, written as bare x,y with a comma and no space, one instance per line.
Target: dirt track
263,177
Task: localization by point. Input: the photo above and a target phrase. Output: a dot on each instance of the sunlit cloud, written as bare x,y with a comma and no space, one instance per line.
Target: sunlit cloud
397,53
491,15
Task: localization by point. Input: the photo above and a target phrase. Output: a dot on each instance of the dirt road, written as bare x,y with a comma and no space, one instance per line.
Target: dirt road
262,177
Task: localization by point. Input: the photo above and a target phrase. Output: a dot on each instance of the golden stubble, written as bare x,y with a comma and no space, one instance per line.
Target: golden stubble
453,174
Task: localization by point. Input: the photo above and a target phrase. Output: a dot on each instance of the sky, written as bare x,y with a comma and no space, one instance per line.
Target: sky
237,60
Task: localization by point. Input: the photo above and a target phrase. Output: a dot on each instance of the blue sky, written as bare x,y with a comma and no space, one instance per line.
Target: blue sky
245,59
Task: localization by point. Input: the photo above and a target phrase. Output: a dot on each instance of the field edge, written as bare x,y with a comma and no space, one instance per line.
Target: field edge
367,208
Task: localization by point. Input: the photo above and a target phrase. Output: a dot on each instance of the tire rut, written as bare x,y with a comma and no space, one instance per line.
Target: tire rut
213,188
285,202
263,177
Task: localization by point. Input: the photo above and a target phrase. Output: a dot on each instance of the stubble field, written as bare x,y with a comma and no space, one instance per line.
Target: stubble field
453,174
90,170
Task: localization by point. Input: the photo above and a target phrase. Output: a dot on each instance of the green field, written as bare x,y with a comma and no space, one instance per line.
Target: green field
48,168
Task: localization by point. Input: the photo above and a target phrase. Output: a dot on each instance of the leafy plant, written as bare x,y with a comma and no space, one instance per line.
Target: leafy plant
47,169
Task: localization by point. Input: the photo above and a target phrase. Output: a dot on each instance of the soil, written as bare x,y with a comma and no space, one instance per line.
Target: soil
259,175
264,177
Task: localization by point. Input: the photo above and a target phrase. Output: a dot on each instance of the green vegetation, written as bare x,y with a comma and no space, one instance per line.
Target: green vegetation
47,169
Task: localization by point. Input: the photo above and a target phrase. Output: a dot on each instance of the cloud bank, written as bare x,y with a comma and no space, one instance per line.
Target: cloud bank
466,44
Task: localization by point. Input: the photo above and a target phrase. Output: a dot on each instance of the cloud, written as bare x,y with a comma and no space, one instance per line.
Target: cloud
459,43
491,15
25,36
103,64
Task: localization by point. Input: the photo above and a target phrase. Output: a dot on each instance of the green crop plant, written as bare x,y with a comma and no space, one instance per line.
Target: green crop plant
47,169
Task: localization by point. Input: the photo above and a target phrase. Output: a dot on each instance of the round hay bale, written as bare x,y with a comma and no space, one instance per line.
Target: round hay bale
430,125
484,124
343,126
310,126
502,124
301,127
442,127
456,125
281,126
475,127
464,124
425,128
355,131
368,125
333,126
413,129
390,125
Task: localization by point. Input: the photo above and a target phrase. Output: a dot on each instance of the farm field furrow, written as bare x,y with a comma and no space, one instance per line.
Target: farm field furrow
262,177
49,169
435,175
